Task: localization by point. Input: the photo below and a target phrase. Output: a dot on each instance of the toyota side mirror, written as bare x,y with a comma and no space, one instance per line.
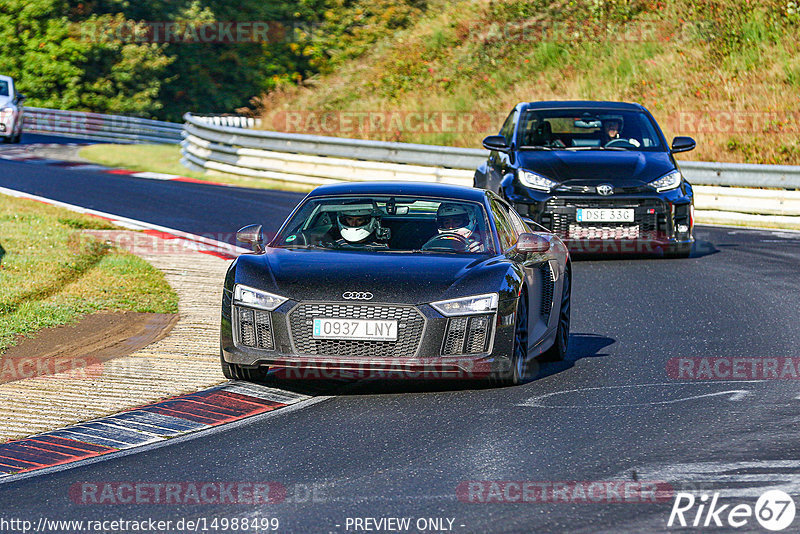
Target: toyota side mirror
252,236
532,243
683,144
496,142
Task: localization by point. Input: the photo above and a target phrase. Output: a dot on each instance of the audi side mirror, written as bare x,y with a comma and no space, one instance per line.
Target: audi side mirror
532,243
252,236
496,142
683,144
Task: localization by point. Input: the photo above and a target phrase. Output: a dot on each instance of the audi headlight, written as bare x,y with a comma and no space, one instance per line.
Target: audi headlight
667,182
467,305
536,181
256,298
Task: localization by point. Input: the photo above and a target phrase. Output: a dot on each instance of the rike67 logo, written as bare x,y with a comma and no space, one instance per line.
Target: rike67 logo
774,510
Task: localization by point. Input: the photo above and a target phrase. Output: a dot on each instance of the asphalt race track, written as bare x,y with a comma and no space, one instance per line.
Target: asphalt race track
202,209
613,411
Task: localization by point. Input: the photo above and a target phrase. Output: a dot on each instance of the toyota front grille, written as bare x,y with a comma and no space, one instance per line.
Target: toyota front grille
649,220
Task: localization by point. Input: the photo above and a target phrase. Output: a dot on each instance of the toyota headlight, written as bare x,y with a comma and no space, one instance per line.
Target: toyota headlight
256,298
467,305
667,182
535,181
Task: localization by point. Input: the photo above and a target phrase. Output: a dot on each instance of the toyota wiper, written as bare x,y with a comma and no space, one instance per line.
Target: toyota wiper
595,148
535,147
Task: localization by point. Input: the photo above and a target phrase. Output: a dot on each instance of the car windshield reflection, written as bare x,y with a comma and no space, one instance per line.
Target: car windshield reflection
389,224
585,129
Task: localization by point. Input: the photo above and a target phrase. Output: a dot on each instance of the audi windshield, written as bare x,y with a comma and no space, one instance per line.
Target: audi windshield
390,224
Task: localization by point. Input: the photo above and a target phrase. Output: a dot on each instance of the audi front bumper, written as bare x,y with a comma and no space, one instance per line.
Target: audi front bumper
428,345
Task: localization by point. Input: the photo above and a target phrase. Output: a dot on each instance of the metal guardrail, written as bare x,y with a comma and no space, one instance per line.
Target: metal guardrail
221,143
96,126
223,131
741,174
230,145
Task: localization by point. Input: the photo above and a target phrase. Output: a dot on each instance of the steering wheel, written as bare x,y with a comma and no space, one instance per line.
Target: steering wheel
622,143
447,241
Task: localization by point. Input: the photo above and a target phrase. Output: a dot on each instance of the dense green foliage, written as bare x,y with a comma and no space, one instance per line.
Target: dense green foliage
73,54
55,68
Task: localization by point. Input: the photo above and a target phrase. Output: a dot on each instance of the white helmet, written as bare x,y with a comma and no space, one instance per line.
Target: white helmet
357,224
455,218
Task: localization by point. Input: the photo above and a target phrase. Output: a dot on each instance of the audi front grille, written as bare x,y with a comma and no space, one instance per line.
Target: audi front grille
410,326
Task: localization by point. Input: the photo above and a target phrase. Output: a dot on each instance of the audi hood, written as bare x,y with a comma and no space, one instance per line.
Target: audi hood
409,278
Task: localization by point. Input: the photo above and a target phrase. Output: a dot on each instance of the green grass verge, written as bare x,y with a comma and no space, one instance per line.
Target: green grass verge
51,273
166,159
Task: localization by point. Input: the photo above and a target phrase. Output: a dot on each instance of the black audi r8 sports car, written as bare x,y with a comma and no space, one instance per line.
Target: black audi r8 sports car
397,280
598,174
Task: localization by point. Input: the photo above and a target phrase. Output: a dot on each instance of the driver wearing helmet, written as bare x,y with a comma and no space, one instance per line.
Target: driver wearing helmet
360,227
453,218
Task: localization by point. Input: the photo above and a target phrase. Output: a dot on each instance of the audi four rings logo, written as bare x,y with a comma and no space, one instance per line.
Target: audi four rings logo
357,295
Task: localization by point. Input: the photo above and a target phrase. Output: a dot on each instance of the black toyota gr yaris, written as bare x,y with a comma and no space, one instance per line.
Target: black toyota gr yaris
600,175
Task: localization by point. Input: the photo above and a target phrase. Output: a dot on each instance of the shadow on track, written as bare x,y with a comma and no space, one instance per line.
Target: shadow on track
700,249
581,346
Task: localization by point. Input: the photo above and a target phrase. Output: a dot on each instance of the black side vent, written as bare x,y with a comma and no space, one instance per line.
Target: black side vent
255,328
548,283
467,335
